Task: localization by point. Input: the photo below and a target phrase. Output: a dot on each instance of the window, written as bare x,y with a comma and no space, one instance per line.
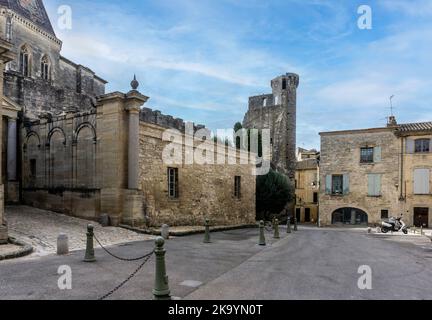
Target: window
237,187
45,68
173,183
384,214
421,181
422,145
315,197
374,185
284,84
337,184
367,155
25,61
9,29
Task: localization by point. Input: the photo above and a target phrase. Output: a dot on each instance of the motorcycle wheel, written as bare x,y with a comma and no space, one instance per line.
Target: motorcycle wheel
384,230
405,231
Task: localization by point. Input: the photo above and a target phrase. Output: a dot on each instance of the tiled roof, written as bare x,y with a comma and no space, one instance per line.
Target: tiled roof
420,126
36,12
307,164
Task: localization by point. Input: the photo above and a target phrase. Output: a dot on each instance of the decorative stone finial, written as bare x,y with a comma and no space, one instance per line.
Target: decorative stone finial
134,83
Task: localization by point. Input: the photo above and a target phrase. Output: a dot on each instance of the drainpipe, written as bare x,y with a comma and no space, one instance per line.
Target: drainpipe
401,198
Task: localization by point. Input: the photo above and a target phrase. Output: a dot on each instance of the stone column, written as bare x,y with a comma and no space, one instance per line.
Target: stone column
6,55
12,150
133,152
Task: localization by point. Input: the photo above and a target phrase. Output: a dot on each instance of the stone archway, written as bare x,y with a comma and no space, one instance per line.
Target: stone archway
350,216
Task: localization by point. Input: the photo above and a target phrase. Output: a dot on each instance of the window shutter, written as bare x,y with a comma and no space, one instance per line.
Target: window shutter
346,184
328,185
410,145
371,185
377,185
421,181
377,154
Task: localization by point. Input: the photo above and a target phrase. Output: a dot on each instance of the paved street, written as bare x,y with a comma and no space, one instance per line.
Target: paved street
40,228
310,264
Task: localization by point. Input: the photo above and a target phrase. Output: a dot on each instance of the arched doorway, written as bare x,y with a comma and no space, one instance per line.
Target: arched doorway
349,216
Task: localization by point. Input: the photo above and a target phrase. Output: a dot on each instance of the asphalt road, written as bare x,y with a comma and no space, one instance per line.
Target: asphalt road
309,264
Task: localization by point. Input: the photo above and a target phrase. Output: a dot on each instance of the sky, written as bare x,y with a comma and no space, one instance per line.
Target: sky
200,60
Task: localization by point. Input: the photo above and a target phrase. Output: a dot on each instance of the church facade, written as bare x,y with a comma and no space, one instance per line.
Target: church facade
72,148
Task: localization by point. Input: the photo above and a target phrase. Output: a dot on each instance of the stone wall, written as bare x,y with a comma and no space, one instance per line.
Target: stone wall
204,190
340,154
59,164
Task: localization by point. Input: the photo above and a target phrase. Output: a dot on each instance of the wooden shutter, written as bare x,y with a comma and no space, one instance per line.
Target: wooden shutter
410,145
377,154
328,185
346,185
374,185
421,181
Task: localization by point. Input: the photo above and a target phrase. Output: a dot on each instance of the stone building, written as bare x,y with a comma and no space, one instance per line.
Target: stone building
278,113
368,175
307,186
71,148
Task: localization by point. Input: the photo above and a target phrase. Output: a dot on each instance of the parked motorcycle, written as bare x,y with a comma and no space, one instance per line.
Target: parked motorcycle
395,225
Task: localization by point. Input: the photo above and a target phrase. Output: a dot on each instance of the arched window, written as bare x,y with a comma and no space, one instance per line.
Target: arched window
45,68
9,29
25,61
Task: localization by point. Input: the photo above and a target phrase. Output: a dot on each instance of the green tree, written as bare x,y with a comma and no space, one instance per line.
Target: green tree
272,195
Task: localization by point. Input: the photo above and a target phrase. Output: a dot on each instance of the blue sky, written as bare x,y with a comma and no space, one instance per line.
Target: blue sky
200,60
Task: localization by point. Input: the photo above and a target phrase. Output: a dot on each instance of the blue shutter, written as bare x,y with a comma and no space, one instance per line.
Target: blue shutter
346,186
328,184
377,154
371,185
377,185
410,145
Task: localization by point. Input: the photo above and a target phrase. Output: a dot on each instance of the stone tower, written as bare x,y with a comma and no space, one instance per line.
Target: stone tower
277,112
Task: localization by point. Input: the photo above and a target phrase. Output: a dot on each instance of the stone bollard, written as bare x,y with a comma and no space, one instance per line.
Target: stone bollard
161,289
289,225
295,224
369,230
262,241
276,229
165,232
104,220
207,231
90,254
62,244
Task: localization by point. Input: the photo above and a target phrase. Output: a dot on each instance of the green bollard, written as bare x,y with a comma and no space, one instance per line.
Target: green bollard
262,241
207,232
295,224
276,229
90,253
161,289
289,225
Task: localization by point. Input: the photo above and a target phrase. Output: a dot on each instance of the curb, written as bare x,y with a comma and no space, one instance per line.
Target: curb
25,250
188,233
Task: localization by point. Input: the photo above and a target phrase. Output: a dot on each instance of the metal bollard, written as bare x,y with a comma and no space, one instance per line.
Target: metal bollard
161,289
289,225
295,224
262,241
90,254
207,231
276,229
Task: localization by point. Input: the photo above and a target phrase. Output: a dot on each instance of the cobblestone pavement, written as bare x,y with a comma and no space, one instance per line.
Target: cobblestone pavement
40,228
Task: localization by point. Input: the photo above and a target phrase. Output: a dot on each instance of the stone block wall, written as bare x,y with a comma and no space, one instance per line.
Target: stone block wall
204,190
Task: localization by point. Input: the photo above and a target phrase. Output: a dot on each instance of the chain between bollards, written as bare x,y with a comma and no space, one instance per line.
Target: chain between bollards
161,289
276,229
207,231
262,241
90,253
